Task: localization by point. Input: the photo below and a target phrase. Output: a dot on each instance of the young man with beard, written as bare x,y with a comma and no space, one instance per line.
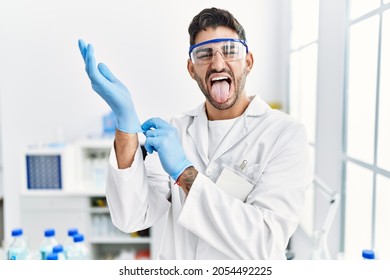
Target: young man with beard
229,176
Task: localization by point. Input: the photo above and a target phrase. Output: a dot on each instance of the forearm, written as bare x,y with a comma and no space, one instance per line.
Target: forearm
134,201
126,145
187,178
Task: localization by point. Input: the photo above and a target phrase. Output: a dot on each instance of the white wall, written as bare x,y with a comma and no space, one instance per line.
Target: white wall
330,94
45,92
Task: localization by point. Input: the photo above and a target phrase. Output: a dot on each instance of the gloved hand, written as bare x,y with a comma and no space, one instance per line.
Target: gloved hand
111,90
164,139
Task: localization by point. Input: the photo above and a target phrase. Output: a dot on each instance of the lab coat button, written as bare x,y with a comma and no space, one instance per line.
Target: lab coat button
209,171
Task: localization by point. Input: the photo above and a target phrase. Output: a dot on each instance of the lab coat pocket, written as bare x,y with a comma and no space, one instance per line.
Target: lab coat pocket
234,183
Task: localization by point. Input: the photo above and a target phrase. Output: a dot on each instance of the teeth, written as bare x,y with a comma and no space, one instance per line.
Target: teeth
219,78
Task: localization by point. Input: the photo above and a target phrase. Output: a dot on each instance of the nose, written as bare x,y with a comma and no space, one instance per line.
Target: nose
218,60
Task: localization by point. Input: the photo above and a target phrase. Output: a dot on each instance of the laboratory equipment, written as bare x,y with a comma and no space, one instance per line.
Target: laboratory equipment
48,243
71,232
230,48
59,251
111,90
109,124
164,139
368,254
320,249
49,167
52,257
18,249
79,250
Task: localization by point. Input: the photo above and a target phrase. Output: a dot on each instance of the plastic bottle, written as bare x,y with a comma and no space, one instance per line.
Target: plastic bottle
368,254
59,251
71,232
79,250
48,243
18,249
52,257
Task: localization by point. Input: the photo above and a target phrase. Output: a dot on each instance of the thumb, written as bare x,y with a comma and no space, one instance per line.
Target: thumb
155,123
148,147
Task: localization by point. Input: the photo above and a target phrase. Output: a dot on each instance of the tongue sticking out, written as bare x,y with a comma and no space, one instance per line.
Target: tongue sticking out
220,91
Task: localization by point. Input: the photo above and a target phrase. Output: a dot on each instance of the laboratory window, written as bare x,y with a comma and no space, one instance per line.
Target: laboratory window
366,209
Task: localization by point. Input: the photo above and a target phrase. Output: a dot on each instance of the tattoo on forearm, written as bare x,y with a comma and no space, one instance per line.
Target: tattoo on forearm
187,178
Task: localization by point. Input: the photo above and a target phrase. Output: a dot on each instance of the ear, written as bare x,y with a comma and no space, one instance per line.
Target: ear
190,68
249,62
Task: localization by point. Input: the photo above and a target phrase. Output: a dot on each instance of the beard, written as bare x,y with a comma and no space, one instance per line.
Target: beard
232,100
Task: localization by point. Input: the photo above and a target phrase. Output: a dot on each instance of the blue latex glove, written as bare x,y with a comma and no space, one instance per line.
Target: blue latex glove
111,90
164,139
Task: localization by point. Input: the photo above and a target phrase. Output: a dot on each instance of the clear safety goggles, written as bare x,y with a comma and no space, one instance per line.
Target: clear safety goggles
230,49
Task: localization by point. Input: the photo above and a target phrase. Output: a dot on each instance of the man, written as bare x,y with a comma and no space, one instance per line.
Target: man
230,175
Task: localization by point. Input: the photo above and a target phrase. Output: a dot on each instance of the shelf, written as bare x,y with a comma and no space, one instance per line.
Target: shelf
51,193
99,210
119,240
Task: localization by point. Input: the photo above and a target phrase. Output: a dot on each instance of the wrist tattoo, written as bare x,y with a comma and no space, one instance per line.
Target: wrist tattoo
187,178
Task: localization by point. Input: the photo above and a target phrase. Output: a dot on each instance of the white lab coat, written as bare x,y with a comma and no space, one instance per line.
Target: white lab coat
209,223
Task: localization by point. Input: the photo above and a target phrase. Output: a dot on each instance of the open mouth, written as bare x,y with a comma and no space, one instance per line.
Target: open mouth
220,88
220,79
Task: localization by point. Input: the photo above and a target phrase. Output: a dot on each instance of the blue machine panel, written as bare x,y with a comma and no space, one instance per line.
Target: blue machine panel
44,172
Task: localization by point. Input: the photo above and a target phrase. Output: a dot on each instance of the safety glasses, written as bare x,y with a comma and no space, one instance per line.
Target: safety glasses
230,49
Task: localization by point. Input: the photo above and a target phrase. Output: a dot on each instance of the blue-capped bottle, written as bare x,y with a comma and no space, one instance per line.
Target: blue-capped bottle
69,242
52,257
368,254
59,251
18,249
79,250
48,243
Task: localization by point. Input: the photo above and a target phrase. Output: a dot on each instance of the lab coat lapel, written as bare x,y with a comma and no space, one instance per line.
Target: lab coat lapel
199,134
198,130
242,126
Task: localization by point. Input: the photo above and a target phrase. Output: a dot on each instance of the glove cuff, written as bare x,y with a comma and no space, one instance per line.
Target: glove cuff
184,166
129,128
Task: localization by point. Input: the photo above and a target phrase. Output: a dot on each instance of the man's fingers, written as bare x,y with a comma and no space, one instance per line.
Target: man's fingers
90,64
150,144
82,48
155,123
105,71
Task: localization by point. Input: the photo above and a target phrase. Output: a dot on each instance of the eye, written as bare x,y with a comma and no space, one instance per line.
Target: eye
204,53
230,50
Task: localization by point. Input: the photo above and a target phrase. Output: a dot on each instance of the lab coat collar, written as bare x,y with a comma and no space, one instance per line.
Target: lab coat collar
199,128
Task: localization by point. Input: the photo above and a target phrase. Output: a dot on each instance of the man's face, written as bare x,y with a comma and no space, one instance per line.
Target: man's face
221,82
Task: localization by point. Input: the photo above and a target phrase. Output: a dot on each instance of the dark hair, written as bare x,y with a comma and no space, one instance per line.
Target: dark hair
214,17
